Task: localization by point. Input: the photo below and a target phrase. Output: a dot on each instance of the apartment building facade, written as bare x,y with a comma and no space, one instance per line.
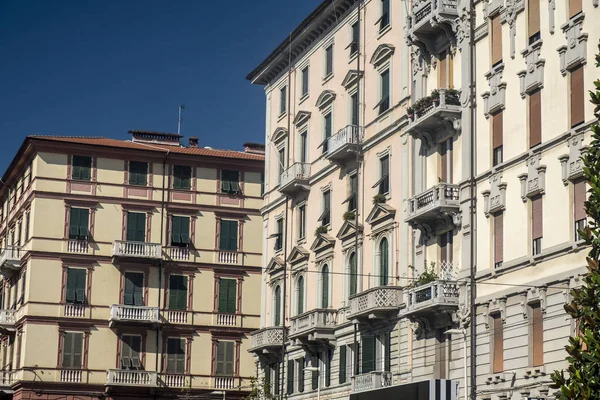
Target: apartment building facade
127,267
443,267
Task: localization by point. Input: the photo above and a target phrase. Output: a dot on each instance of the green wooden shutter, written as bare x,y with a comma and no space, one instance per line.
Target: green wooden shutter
175,230
290,377
368,357
136,227
74,223
80,288
314,377
70,295
300,284
138,172
227,295
185,230
328,355
343,366
233,235
277,306
67,359
224,235
72,350
176,355
225,358
178,292
325,287
128,293
301,362
134,289
353,275
384,263
232,296
228,235
388,352
78,223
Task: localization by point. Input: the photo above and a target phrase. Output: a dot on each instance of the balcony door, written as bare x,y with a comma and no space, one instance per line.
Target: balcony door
133,292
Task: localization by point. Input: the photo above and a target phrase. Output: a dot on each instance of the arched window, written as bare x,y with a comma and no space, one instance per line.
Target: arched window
277,306
300,287
325,286
353,274
384,262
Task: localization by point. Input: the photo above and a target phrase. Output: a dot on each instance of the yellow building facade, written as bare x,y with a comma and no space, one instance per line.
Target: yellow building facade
128,267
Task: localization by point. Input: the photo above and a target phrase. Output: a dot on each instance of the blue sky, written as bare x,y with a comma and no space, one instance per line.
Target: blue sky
103,67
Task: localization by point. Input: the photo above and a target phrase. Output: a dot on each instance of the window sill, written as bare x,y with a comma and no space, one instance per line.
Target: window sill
281,116
383,31
303,98
327,78
353,57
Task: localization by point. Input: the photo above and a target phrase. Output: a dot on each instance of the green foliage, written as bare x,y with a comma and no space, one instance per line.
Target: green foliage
425,103
259,389
581,380
427,276
379,198
320,229
349,216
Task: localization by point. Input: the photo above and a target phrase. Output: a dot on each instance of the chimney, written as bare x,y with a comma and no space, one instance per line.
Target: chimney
256,148
193,141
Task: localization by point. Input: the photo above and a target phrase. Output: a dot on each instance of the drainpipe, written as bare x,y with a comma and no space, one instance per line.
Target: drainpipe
160,263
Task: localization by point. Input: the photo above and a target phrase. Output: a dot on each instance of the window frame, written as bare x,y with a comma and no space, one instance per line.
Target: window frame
302,221
384,20
184,239
328,61
325,217
78,171
279,235
73,353
131,363
221,366
385,101
177,356
81,231
186,291
283,93
79,295
304,82
230,305
137,176
135,231
230,182
182,181
140,293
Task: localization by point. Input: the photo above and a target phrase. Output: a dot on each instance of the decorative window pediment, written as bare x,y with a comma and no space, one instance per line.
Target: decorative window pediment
382,53
494,200
297,255
347,231
275,265
301,117
279,135
380,212
494,100
351,78
495,306
322,242
572,164
533,182
325,98
533,295
532,78
573,54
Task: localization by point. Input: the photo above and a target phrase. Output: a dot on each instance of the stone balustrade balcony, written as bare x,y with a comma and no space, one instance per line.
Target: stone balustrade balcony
124,249
295,179
376,303
120,313
437,203
267,340
127,377
427,19
371,380
314,326
345,144
434,117
10,259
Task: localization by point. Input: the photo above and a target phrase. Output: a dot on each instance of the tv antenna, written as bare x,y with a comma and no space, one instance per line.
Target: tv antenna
181,108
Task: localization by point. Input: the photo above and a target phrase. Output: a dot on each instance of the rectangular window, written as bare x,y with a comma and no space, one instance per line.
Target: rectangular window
352,199
314,375
78,223
537,334
386,342
133,292
577,97
72,350
574,7
279,234
180,231
227,295
498,343
282,100
230,182
76,286
138,173
329,60
290,376
131,346
225,358
369,353
325,217
281,166
302,221
304,146
446,161
537,227
301,362
327,131
579,197
178,292
305,81
26,227
497,138
533,20
354,111
384,100
175,356
355,39
384,181
343,364
82,168
327,366
498,239
384,20
136,227
496,39
443,71
262,183
446,240
182,177
535,118
228,235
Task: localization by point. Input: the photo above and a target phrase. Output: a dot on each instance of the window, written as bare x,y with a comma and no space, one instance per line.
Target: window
342,377
175,356
579,197
262,183
574,7
369,353
354,109
26,227
136,227
384,20
535,118
383,262
182,177
304,81
314,375
577,97
536,223
497,138
277,306
304,146
533,20
225,358
329,60
327,131
446,241
445,70
353,274
384,181
180,231
282,100
227,295
138,173
302,221
496,39
301,362
228,235
300,295
78,223
281,166
133,292
537,335
386,343
325,217
384,90
72,350
178,292
290,376
130,352
352,199
325,286
76,286
446,161
327,355
498,239
279,234
498,343
82,168
230,182
355,39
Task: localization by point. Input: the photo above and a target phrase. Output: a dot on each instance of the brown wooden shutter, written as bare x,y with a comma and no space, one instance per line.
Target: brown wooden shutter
496,39
579,199
577,97
535,118
498,237
450,70
533,17
537,336
537,226
574,7
497,130
498,334
443,71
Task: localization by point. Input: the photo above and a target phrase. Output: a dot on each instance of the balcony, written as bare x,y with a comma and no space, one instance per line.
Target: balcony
7,379
433,117
267,340
344,145
430,21
313,326
136,250
295,179
372,380
125,377
8,318
440,203
10,259
135,314
375,303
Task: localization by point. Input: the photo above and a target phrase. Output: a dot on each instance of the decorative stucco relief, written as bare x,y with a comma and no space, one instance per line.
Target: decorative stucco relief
494,100
572,164
574,53
532,78
494,200
533,182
